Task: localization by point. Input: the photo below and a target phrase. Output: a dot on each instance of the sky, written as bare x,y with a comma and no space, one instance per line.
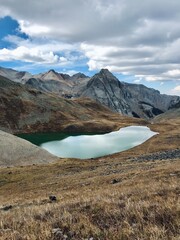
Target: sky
137,40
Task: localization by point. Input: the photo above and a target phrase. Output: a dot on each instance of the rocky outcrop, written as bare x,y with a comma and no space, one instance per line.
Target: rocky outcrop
62,84
129,99
24,110
133,100
51,81
147,102
14,75
107,89
55,86
15,151
172,115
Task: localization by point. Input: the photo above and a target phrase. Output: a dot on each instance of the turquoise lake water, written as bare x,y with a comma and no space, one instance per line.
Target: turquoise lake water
91,146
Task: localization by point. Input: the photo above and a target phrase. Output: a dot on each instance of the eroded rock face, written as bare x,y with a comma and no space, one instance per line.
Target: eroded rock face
129,99
14,75
24,110
107,89
134,100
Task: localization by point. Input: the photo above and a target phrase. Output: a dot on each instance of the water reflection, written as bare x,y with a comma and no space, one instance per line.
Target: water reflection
92,146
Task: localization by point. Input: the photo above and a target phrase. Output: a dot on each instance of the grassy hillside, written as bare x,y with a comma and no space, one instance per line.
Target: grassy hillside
172,115
122,196
24,109
133,195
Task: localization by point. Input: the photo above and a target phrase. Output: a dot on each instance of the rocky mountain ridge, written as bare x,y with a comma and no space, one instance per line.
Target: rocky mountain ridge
27,110
129,99
135,100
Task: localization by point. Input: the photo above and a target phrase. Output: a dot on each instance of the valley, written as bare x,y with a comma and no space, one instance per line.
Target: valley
133,194
122,196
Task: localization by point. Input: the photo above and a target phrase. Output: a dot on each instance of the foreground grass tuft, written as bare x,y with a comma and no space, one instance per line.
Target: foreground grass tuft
142,204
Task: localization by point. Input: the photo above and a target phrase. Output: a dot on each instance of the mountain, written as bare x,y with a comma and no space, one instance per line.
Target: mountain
51,81
52,75
24,109
129,99
16,151
14,75
172,115
135,100
62,84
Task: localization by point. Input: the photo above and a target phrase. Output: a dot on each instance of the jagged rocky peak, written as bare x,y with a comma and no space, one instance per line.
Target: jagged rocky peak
129,99
105,71
79,75
106,75
51,75
52,70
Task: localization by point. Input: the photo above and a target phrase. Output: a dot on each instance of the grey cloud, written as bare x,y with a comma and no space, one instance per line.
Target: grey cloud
146,32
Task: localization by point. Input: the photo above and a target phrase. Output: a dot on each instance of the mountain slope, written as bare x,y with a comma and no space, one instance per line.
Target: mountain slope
129,99
15,151
147,102
24,109
62,84
107,89
14,75
51,81
172,115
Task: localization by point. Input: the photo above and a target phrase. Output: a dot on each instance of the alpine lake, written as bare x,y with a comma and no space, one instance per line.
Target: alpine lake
88,146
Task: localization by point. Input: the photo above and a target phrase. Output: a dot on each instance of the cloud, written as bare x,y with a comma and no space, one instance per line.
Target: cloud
29,55
137,81
32,29
135,37
176,90
4,12
41,51
174,73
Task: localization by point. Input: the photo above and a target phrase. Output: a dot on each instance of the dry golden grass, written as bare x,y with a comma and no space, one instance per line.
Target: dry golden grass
142,205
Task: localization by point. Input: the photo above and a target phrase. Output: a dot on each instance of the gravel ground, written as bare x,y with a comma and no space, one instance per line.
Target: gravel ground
166,155
15,151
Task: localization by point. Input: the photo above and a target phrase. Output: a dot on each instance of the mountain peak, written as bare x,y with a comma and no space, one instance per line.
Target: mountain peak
51,71
79,75
104,71
106,75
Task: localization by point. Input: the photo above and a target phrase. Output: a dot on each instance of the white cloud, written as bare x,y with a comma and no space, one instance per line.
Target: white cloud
176,90
174,73
132,37
28,55
33,29
69,72
137,81
41,51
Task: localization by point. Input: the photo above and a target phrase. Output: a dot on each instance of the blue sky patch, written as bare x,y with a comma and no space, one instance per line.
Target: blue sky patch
9,26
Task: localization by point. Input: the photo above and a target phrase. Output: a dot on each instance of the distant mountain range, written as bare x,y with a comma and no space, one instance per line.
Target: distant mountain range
134,100
27,110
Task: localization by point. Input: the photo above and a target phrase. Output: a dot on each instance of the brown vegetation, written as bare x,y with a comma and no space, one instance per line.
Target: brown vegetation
114,197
